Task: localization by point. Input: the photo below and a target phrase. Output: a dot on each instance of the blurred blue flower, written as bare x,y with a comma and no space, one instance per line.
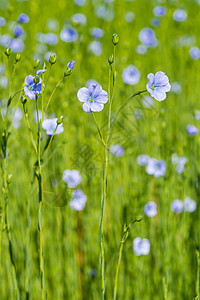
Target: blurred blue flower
79,19
4,82
141,49
155,22
129,16
197,115
78,200
117,150
177,206
18,31
180,15
131,75
142,159
104,12
50,125
189,205
72,178
23,18
2,22
192,130
150,209
176,87
147,37
158,85
16,45
30,87
95,48
51,38
155,167
97,32
194,53
141,246
94,98
159,11
53,24
68,35
181,165
79,2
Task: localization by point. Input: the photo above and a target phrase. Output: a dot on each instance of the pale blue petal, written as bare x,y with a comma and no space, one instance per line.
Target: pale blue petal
96,91
102,98
86,108
95,106
28,93
29,80
159,95
83,94
151,78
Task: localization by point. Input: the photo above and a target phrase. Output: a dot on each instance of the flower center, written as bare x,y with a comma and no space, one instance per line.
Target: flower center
32,87
91,100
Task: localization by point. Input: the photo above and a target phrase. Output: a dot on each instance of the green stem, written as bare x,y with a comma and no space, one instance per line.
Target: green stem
125,103
7,225
57,85
40,209
124,238
99,131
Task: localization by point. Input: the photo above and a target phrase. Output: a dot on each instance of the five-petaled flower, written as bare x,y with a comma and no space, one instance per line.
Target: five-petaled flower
158,85
94,98
33,85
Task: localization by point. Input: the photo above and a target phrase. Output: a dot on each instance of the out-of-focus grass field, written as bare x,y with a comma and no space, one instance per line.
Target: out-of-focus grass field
71,239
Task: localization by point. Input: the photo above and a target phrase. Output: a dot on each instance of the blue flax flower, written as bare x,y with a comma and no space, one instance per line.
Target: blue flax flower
177,206
158,85
155,167
23,18
72,178
31,87
192,130
150,209
94,98
141,246
78,200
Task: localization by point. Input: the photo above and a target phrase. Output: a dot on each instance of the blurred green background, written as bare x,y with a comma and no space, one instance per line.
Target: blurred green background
71,239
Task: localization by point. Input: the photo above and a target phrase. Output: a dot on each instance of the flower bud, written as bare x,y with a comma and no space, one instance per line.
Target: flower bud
111,59
67,72
115,39
52,59
36,63
7,52
23,99
60,120
17,57
69,69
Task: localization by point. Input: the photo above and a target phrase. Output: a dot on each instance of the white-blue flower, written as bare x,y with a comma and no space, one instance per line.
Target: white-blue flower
72,178
150,209
93,97
141,246
131,75
50,125
78,200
